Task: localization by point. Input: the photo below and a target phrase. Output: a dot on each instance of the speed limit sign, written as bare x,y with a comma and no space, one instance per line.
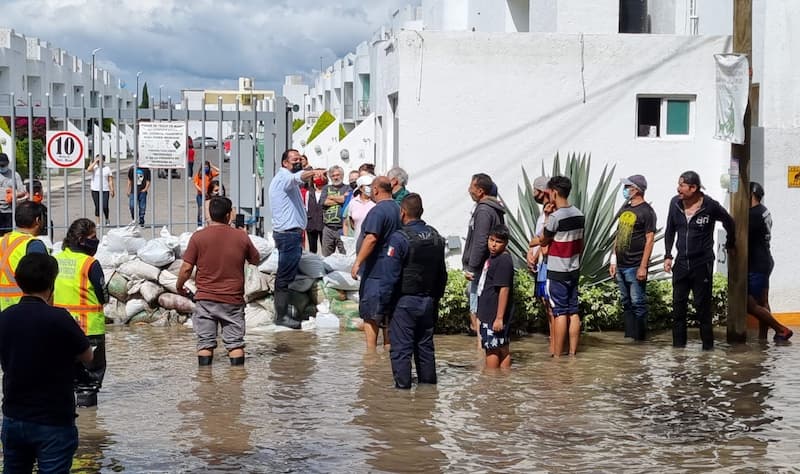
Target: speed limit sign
65,149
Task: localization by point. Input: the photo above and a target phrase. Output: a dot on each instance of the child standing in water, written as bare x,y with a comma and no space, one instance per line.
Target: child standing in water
494,300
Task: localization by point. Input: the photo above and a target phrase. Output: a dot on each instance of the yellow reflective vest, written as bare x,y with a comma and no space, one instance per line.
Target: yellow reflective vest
75,293
13,247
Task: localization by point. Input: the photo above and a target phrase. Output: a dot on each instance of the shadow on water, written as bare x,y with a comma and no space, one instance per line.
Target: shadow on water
314,402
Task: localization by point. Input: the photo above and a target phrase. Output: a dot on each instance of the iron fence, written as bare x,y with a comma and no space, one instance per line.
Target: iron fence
246,165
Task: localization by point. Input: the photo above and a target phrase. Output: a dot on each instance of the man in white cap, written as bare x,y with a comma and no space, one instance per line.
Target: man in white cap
537,255
360,204
630,261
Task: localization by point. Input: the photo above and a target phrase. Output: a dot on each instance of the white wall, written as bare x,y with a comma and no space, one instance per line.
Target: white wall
360,145
495,102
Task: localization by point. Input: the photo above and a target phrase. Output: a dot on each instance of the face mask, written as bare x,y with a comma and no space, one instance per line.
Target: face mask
539,198
319,181
297,167
215,193
3,169
90,246
207,169
368,191
353,185
626,193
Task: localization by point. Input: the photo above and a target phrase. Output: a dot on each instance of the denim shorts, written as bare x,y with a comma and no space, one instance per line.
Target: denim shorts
491,340
757,283
563,296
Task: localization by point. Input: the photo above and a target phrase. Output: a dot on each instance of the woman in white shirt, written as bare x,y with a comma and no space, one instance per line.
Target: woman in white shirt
360,204
102,185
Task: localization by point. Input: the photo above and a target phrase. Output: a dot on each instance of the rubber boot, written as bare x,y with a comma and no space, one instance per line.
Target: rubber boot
204,360
86,398
640,333
237,360
630,324
282,317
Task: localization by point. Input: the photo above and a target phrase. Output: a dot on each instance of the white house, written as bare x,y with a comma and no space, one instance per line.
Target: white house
459,87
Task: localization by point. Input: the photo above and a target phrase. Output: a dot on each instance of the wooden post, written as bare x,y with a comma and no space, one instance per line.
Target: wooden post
740,201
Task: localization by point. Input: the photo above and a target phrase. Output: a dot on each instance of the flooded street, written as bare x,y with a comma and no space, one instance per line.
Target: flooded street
313,402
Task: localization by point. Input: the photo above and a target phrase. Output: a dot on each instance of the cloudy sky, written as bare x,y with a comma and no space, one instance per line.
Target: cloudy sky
201,43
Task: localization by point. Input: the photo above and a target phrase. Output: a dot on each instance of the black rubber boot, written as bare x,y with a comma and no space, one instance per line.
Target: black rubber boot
204,360
282,317
640,333
237,360
86,398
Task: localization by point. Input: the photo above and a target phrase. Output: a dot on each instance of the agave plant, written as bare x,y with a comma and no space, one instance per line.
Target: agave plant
596,202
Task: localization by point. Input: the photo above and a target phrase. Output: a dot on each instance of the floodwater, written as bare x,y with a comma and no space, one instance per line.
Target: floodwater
314,402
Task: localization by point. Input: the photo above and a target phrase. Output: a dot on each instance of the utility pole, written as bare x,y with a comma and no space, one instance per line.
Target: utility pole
740,200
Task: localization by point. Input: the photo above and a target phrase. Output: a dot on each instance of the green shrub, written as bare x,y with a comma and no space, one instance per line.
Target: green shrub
22,157
322,123
454,305
297,124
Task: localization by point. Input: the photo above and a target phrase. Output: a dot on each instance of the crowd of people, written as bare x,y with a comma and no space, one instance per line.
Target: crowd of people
52,326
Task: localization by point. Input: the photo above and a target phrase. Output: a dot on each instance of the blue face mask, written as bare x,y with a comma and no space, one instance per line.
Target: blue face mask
626,193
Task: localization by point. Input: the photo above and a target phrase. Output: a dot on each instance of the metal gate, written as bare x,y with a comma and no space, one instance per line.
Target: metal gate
260,134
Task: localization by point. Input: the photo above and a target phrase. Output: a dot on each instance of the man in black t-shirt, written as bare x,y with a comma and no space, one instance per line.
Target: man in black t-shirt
759,267
633,245
38,348
142,186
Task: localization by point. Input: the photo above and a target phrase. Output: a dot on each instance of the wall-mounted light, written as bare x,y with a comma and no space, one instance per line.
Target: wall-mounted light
344,154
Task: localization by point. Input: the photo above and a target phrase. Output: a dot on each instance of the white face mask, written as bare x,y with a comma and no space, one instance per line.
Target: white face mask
368,191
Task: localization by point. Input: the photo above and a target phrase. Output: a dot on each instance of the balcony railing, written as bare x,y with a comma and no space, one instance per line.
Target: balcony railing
348,111
363,108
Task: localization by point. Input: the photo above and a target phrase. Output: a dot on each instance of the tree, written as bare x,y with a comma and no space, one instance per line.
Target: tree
145,98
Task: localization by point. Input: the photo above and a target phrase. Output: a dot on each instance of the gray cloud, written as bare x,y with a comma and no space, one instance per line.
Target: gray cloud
202,43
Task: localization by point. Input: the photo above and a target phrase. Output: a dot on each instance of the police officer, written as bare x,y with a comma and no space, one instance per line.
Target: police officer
31,220
80,289
413,280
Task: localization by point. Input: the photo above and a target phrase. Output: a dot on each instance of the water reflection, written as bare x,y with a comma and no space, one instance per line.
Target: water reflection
308,402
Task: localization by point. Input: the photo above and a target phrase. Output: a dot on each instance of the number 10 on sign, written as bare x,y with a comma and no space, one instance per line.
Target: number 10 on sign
65,149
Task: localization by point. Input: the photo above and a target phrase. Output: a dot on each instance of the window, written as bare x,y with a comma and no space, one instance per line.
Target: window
660,117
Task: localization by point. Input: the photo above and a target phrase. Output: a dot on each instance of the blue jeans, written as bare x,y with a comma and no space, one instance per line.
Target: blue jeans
199,200
634,302
290,247
25,442
142,198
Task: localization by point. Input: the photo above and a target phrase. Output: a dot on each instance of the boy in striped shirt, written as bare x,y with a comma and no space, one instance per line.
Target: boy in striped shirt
564,235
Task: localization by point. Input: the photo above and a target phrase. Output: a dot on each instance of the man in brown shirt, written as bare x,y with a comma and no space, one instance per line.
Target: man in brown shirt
220,252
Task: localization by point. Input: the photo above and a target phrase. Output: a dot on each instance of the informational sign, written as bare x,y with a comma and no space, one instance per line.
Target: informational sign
65,149
733,87
162,144
794,176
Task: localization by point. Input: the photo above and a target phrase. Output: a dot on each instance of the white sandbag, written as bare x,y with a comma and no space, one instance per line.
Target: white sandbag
340,281
169,280
175,267
349,245
124,239
255,283
353,295
337,262
57,248
133,307
183,241
134,285
115,310
139,269
109,259
150,292
259,313
179,303
270,265
156,252
311,265
327,321
302,283
263,246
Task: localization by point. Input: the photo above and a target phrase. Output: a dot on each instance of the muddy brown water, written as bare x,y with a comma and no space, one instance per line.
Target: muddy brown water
315,402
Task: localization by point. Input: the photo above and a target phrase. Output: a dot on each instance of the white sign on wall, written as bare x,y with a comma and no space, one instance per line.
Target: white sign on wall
733,87
65,149
162,144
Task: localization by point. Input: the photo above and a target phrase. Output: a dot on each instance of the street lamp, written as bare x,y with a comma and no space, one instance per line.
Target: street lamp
159,95
92,94
137,86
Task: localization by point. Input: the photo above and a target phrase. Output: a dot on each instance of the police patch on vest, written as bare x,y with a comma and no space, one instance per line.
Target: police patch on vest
390,251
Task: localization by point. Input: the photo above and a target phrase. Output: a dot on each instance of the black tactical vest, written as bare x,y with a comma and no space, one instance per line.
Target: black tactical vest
425,256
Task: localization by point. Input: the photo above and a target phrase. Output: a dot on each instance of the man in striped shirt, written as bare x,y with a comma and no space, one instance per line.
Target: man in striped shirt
564,235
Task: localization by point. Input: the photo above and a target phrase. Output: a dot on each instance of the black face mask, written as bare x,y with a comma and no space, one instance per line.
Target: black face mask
90,246
353,185
539,199
297,167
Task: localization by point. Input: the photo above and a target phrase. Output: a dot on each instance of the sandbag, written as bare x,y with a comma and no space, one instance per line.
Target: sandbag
255,283
349,245
145,317
352,296
263,246
134,306
109,259
270,265
139,269
334,294
170,241
327,321
259,313
156,252
302,283
115,310
317,292
340,281
168,281
150,292
179,303
183,241
118,287
311,265
124,239
337,262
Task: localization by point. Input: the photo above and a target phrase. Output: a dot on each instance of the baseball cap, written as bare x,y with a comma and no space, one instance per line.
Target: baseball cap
693,179
540,183
638,181
365,180
3,159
